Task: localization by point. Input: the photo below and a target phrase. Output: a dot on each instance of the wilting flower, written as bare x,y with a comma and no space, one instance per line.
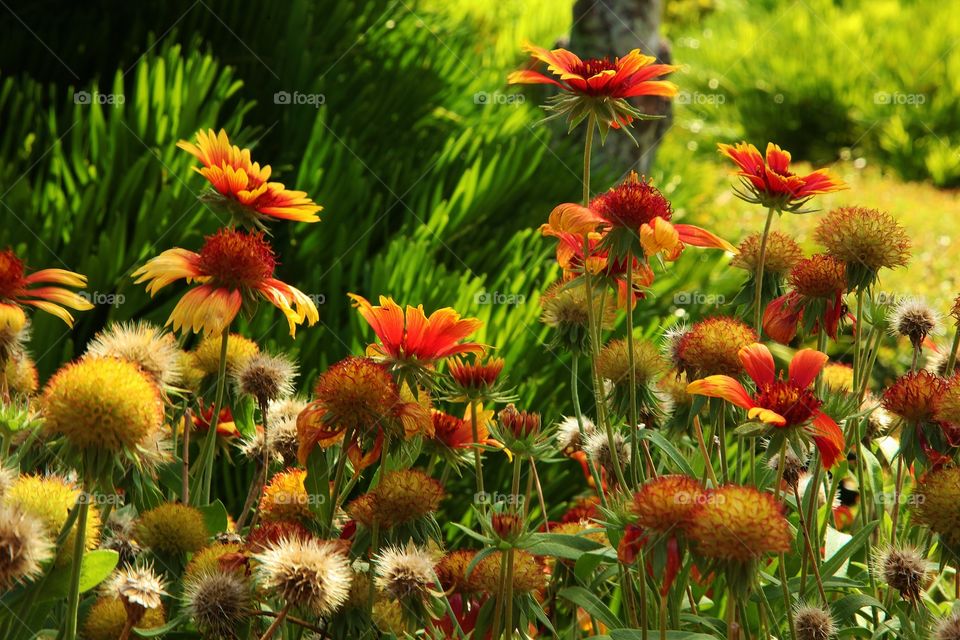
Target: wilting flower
172,528
143,344
18,289
783,403
309,574
405,572
769,181
243,186
218,602
938,503
634,217
358,395
815,301
865,240
711,347
814,623
235,270
903,569
598,448
24,546
597,86
266,377
565,308
400,497
913,319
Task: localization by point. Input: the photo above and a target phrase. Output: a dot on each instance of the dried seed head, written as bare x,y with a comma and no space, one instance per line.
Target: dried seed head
948,628
306,573
147,346
24,546
218,603
266,377
903,569
814,623
405,572
913,319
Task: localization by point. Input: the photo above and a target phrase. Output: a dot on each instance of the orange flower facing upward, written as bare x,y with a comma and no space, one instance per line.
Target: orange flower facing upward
411,336
234,269
244,185
769,181
782,403
18,289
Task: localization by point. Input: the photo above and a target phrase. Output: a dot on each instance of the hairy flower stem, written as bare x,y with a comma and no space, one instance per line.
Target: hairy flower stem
276,622
703,451
79,546
952,360
636,467
209,453
758,276
811,551
574,390
477,462
733,629
508,580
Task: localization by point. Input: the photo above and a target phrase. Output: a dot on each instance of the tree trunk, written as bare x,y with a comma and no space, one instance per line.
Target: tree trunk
613,28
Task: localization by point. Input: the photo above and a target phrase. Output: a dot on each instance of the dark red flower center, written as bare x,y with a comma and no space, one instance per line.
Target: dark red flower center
632,204
11,274
593,66
237,259
796,405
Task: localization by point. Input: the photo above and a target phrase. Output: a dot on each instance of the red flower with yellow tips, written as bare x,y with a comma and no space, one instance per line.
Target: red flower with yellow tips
768,180
782,403
244,185
234,269
410,335
18,289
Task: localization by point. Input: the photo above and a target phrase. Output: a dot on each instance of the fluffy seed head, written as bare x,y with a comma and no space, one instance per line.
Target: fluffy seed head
147,346
903,569
782,253
712,347
739,524
947,628
914,396
565,307
137,586
814,623
206,356
913,319
218,602
405,572
938,503
266,377
102,403
568,437
307,573
613,363
285,497
172,528
666,503
793,468
597,448
863,237
819,276
24,546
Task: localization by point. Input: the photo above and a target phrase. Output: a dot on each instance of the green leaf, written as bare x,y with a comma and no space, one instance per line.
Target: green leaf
559,545
215,517
834,562
847,607
95,567
667,447
590,603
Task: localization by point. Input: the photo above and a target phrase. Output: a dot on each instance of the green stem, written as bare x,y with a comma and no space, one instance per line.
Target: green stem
636,465
477,463
786,595
758,288
574,390
952,360
79,545
210,449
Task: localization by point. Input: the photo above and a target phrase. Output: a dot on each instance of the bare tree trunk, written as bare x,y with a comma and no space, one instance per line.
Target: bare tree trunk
612,28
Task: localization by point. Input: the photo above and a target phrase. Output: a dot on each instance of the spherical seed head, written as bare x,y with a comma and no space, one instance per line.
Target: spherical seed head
49,499
783,253
405,572
938,503
568,438
712,347
102,403
218,603
597,448
914,396
285,497
22,375
666,503
913,319
631,204
284,410
519,423
819,276
357,393
903,569
307,573
172,528
528,573
147,346
207,353
739,524
793,468
565,307
864,238
404,496
209,559
475,375
24,546
236,259
281,434
613,362
107,617
452,571
948,628
266,377
838,376
814,623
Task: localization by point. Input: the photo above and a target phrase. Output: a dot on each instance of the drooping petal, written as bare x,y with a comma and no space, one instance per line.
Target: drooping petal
781,318
828,438
62,297
697,237
806,366
168,267
206,308
52,309
658,235
530,77
758,363
722,387
57,276
572,218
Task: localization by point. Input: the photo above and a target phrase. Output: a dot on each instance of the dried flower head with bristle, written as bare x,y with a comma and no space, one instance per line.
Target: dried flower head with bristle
568,437
405,572
903,569
913,319
285,497
284,410
218,603
814,623
739,524
947,628
102,404
782,253
206,355
49,499
139,588
565,307
282,441
172,528
528,573
597,448
793,468
400,497
147,346
914,396
819,276
108,617
712,347
266,378
947,409
938,503
866,240
309,574
666,503
24,546
22,375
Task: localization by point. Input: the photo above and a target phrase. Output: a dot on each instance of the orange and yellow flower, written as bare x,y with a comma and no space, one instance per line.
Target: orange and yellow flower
244,185
412,336
739,524
17,289
782,403
768,180
234,269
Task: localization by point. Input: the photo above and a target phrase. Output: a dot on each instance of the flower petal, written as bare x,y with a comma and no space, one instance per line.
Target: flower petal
722,387
697,237
806,366
758,363
828,438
